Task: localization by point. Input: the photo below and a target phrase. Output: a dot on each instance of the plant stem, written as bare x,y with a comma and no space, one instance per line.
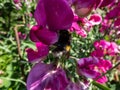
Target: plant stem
16,80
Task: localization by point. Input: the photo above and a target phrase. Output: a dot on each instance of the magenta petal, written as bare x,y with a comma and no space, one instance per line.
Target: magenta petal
44,35
113,13
89,73
40,14
95,19
33,35
102,80
79,30
46,77
86,67
57,14
104,65
117,22
41,52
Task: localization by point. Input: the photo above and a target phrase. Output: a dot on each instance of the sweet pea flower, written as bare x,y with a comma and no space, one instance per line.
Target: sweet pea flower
22,35
92,67
46,77
56,14
95,19
114,13
39,54
105,47
103,66
40,34
78,29
97,52
113,49
84,67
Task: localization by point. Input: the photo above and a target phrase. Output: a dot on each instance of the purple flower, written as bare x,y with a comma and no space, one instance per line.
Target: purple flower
92,67
114,13
39,34
56,14
22,35
39,54
46,77
85,67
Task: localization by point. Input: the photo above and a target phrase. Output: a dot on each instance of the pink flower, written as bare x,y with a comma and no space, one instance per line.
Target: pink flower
98,53
39,34
113,49
46,77
22,36
95,19
92,67
103,66
105,25
84,67
79,30
105,47
37,55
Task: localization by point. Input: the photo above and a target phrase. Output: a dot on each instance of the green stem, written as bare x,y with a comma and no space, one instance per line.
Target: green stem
15,80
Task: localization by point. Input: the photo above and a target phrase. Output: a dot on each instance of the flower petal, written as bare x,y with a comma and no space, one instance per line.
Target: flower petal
48,78
41,52
44,35
36,74
57,14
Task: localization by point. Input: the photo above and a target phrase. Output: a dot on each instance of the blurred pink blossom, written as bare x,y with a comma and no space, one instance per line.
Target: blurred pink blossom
22,35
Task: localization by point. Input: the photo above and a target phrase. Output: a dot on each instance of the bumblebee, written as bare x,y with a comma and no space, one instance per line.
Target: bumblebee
63,45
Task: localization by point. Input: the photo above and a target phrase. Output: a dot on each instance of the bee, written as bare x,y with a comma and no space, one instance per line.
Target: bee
63,45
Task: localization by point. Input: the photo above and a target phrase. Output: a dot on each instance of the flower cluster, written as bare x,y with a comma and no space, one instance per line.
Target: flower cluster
54,17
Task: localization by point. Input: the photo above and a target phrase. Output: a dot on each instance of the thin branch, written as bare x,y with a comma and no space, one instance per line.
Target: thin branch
16,80
18,40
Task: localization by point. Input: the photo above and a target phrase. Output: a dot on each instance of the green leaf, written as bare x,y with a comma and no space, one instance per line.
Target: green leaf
103,87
